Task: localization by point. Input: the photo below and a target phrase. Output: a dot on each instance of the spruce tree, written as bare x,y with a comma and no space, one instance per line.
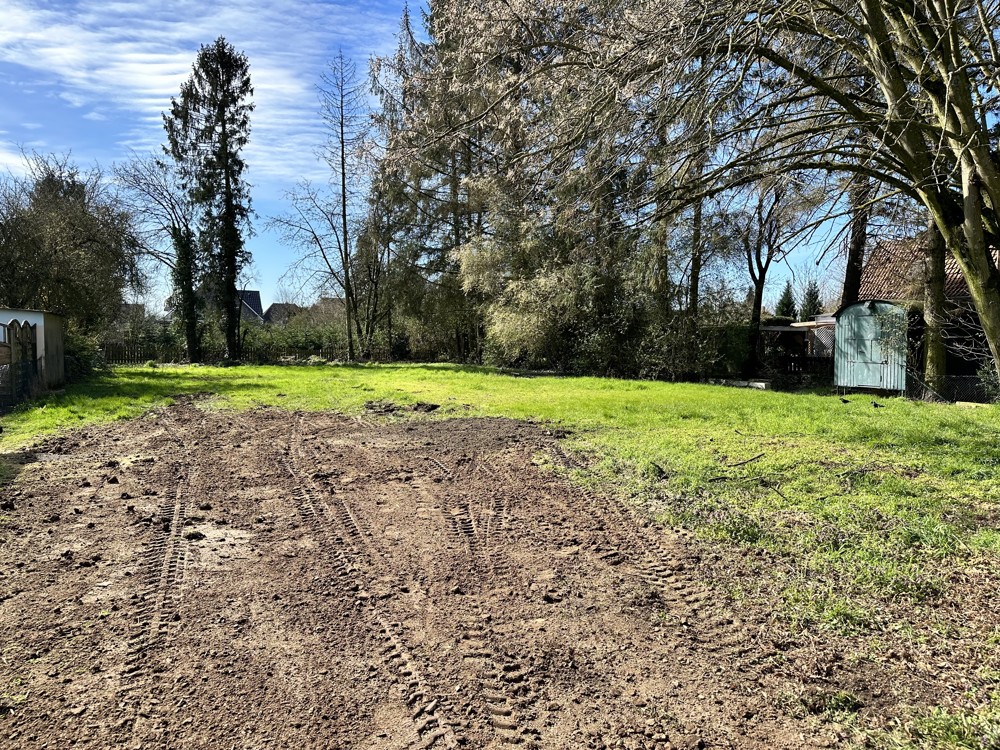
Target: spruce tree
207,128
786,304
812,305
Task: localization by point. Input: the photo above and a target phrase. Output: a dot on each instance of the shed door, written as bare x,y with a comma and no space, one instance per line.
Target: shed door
866,363
874,353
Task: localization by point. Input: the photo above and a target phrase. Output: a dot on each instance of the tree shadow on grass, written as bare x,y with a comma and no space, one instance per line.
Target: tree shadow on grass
483,370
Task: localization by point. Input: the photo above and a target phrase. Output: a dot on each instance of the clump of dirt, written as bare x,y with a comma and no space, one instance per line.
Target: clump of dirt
389,407
381,407
424,407
265,579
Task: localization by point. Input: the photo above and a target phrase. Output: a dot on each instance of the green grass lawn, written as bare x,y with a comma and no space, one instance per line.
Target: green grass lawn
878,507
756,467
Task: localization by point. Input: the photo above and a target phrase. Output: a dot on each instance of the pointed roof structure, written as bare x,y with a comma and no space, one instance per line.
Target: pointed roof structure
251,307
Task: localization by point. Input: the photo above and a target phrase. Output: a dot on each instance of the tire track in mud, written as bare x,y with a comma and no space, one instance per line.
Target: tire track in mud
504,683
616,539
706,623
474,533
497,523
345,553
162,564
386,600
428,725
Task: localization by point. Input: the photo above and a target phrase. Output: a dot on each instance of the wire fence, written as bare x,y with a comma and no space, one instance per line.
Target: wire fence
19,381
138,353
969,388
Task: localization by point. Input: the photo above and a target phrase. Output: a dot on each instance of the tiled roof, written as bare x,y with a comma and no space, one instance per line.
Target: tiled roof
894,271
281,312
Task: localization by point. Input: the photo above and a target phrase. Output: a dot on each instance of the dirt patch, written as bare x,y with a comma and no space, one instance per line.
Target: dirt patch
200,579
382,408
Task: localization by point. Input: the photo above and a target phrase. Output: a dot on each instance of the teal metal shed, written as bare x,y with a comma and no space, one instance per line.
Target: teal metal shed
871,346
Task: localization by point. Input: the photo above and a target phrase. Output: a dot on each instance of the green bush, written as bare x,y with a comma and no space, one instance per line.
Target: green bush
991,382
83,355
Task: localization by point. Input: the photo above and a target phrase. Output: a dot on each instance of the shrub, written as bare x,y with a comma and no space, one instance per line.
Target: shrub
83,355
990,382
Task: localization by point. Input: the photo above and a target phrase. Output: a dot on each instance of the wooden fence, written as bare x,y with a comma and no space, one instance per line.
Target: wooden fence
20,367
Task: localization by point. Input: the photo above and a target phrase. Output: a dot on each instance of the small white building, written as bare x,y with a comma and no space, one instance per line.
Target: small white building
50,347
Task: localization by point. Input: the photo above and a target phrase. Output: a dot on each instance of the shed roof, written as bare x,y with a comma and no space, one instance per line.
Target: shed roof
6,310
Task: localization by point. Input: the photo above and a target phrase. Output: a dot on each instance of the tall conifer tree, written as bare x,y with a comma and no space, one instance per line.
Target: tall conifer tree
786,304
812,305
207,128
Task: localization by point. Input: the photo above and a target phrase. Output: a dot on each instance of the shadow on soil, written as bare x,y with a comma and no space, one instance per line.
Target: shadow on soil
11,465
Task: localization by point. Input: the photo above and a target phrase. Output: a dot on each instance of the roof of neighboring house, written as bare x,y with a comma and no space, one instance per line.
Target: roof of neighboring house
281,312
251,303
25,310
894,271
329,302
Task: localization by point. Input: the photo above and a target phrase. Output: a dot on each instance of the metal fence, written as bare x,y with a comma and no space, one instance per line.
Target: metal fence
967,388
20,368
19,382
971,388
138,353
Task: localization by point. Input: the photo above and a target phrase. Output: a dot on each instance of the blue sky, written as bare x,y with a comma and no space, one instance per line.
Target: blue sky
92,77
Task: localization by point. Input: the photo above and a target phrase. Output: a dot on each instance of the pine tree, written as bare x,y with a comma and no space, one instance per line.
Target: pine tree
812,305
786,304
207,128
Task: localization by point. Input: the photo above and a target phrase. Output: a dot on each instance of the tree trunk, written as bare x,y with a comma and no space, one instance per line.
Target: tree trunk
231,303
187,301
229,247
696,260
860,194
345,248
752,363
935,366
389,297
975,258
967,242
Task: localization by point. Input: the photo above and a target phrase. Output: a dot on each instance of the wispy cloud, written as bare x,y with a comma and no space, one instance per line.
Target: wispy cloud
11,159
124,60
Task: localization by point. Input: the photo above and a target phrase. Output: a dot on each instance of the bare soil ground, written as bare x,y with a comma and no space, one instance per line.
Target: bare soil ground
204,579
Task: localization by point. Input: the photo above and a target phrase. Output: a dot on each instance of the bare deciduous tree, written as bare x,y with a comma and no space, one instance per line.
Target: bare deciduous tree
163,208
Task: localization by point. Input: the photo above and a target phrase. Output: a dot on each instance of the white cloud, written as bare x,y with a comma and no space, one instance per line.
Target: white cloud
11,158
131,57
73,98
